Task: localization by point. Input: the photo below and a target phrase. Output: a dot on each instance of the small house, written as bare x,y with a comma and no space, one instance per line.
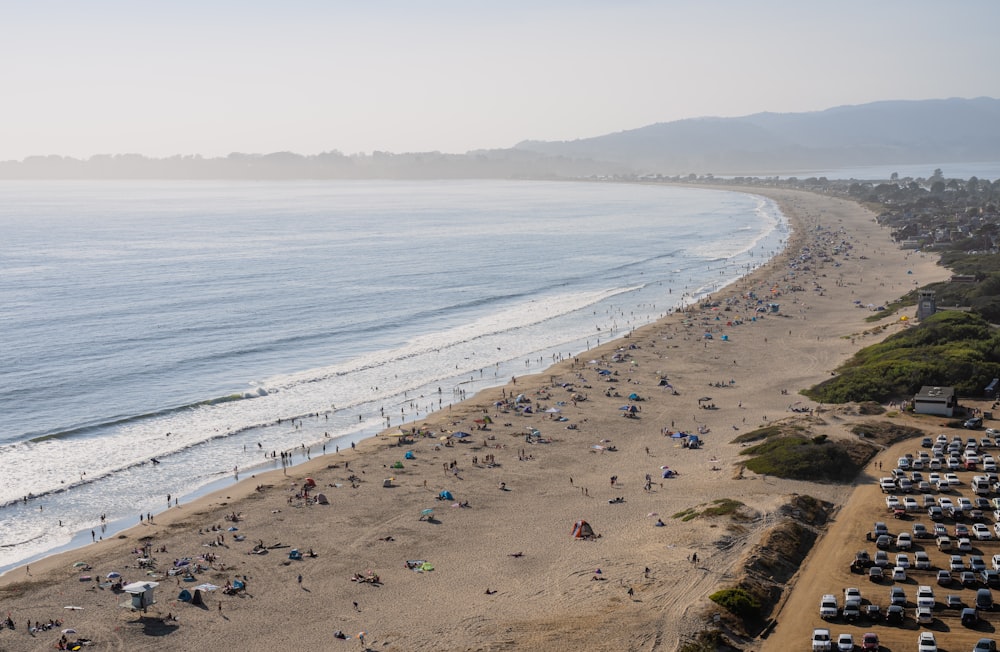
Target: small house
935,400
142,593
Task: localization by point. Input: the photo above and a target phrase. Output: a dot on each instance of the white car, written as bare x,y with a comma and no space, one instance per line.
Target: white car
821,641
996,562
952,479
934,478
965,544
981,532
892,502
898,574
910,504
902,561
904,541
944,502
956,564
845,643
828,609
965,504
926,642
852,593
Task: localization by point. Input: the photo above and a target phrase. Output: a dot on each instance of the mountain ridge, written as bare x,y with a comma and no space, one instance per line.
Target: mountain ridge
883,132
887,132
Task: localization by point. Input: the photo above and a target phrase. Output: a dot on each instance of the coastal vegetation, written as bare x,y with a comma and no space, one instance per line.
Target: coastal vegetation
719,507
950,348
817,459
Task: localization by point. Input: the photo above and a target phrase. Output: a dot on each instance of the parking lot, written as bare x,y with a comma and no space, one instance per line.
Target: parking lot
926,524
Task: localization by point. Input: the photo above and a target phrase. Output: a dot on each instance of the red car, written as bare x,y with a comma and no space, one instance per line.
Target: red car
869,641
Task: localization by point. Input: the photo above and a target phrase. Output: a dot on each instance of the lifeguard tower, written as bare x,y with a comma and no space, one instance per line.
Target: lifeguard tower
926,304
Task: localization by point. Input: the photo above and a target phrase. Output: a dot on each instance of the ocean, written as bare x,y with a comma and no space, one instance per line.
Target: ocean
207,325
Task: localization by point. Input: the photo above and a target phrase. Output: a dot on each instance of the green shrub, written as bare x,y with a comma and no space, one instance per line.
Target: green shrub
798,458
949,348
737,601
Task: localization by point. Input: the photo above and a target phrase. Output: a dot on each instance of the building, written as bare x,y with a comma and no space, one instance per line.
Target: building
935,400
926,304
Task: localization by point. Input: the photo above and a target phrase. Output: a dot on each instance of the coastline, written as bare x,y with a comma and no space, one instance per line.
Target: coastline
540,596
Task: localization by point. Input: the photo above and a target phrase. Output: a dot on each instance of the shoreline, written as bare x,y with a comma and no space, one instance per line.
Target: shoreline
361,517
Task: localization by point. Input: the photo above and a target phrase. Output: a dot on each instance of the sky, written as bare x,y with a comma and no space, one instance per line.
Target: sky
211,77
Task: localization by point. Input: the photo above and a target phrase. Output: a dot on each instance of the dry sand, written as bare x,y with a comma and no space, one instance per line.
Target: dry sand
516,542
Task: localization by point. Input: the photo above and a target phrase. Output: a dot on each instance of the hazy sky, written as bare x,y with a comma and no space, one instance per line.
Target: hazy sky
84,77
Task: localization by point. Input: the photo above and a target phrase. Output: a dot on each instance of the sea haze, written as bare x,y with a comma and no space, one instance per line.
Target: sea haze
182,320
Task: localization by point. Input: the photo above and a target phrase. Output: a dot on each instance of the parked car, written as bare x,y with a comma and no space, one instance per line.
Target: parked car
895,615
897,596
990,577
965,545
970,617
851,611
870,641
845,643
984,599
976,563
924,615
956,564
828,609
904,541
926,642
898,574
973,424
953,601
875,574
944,578
985,645
921,560
968,578
821,641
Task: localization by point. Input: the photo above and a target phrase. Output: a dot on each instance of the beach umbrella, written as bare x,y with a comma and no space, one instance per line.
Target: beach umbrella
79,564
553,410
69,630
113,574
444,437
460,435
206,587
663,468
427,512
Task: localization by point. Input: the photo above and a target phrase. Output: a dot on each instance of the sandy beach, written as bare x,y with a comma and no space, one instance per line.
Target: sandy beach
507,574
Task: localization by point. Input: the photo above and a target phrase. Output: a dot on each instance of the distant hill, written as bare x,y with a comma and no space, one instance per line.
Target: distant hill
892,132
932,132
